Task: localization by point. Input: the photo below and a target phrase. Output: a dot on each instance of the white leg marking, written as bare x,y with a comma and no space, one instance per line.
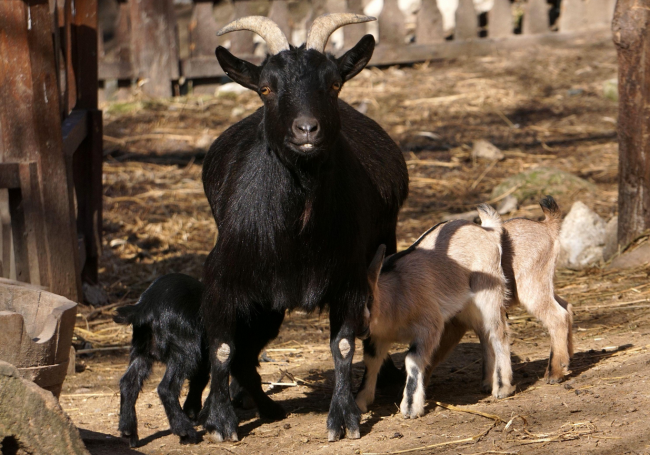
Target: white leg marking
344,347
413,400
223,353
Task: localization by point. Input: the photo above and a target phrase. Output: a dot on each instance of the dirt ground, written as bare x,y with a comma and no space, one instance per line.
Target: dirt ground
541,107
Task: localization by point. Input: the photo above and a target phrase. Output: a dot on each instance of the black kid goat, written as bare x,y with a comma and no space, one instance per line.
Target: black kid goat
167,328
303,192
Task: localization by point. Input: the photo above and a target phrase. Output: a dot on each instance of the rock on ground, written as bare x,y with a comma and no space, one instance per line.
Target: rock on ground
582,238
31,419
486,150
530,186
635,258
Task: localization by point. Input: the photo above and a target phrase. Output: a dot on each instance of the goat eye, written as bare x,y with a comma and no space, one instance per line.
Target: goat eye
336,86
265,91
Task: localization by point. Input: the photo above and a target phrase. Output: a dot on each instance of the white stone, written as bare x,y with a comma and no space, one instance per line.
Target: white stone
486,150
582,238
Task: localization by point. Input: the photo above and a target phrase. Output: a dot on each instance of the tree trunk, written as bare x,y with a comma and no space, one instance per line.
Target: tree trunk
632,40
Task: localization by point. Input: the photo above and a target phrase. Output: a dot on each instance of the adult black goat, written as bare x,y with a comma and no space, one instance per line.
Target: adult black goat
303,191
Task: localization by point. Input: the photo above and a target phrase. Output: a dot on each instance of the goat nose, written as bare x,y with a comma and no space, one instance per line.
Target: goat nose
303,126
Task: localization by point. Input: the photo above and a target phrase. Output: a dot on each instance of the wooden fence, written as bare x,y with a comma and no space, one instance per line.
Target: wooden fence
50,144
154,44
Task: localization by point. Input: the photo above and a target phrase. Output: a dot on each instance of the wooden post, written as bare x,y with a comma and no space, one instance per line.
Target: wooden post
241,43
536,17
279,13
203,30
353,33
391,24
31,128
428,28
155,55
631,32
86,166
466,21
500,19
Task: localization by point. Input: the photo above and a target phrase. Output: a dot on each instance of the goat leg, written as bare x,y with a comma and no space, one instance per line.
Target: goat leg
130,386
192,405
169,390
344,415
374,351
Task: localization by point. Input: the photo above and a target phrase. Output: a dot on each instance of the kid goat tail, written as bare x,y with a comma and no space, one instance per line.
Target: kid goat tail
552,214
490,219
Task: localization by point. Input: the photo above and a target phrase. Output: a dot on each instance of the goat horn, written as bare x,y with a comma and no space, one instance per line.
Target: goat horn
326,24
263,26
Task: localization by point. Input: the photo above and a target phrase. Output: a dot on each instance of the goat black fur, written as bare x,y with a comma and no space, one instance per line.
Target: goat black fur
303,191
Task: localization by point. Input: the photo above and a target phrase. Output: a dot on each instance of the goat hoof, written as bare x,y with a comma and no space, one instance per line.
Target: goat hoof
272,411
220,424
487,389
344,416
504,392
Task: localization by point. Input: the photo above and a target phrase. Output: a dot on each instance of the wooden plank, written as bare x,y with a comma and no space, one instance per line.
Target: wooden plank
429,24
153,45
9,177
202,30
405,54
5,221
500,19
115,70
466,21
34,224
353,33
84,53
208,67
535,17
631,34
241,42
279,13
395,55
29,97
572,16
74,130
18,229
87,171
391,24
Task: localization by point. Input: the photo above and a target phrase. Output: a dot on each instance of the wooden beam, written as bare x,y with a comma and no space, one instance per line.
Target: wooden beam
384,55
115,70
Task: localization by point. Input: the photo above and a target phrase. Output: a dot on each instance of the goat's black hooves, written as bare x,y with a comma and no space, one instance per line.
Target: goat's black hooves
272,411
194,438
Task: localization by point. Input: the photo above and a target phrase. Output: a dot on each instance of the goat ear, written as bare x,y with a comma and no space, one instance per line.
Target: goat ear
375,266
240,71
356,59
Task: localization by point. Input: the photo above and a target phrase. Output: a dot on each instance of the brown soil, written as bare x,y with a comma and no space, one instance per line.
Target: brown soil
541,107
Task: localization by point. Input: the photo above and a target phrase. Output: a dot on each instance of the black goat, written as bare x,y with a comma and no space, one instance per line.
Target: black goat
167,328
303,192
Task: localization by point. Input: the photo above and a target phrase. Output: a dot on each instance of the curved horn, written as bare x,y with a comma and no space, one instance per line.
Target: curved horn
326,24
263,26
